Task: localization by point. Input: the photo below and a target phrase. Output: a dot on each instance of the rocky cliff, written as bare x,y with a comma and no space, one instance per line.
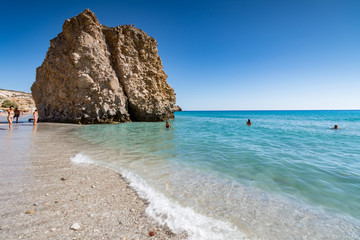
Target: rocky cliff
22,99
97,74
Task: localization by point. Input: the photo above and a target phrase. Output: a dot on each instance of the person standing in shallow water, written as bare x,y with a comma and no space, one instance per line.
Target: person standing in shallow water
35,117
248,122
17,114
168,125
10,117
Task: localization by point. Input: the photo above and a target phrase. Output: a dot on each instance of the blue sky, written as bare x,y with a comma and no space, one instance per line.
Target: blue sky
219,55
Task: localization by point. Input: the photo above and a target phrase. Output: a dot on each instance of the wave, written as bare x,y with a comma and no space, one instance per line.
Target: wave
170,213
82,159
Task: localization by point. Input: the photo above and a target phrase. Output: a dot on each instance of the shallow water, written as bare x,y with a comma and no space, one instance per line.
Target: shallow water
288,176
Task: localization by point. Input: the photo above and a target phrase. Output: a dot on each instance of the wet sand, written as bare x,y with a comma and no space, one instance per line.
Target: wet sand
43,194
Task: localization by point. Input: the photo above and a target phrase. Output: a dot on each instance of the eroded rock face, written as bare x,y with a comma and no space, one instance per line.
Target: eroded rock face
96,74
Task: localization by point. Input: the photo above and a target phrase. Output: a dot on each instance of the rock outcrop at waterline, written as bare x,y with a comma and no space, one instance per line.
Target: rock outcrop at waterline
97,74
177,108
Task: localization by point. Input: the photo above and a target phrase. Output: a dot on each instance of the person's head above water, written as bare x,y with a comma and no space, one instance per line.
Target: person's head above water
167,124
248,120
336,127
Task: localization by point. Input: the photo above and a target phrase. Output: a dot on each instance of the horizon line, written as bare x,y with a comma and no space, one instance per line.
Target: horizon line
234,110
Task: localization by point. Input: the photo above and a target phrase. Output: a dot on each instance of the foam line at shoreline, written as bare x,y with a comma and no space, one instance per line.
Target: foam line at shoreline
172,214
82,159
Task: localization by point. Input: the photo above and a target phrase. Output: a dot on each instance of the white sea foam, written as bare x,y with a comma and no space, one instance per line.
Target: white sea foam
172,214
179,218
81,159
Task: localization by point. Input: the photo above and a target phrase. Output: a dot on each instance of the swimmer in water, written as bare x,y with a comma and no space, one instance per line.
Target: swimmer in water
335,127
248,122
35,117
168,125
10,117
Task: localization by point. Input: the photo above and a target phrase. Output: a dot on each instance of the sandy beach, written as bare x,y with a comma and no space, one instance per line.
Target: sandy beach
43,195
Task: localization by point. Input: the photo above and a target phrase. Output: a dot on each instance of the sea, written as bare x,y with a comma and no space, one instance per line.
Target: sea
289,175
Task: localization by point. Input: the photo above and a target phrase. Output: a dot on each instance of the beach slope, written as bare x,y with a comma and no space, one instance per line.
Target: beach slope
43,195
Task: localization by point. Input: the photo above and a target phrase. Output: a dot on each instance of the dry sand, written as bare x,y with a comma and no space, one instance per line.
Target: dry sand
42,194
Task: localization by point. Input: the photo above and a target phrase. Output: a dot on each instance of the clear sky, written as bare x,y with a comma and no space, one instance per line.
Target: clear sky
219,55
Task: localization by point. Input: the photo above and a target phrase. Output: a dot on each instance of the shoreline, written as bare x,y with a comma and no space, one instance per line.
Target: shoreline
43,194
54,149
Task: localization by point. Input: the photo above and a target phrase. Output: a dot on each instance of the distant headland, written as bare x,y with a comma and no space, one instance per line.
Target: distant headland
22,100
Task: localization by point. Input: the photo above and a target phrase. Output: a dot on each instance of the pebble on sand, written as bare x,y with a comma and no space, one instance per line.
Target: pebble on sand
30,211
63,179
75,226
151,233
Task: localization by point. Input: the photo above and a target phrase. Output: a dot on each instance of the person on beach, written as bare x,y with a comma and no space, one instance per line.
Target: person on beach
248,122
17,114
35,117
168,125
10,117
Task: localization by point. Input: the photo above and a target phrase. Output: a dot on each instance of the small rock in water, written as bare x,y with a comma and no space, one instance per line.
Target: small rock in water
75,226
30,211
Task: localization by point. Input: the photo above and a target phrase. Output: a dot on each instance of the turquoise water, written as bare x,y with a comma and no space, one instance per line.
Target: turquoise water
289,171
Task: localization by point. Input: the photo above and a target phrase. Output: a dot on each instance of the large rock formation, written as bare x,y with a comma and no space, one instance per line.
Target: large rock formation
95,74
